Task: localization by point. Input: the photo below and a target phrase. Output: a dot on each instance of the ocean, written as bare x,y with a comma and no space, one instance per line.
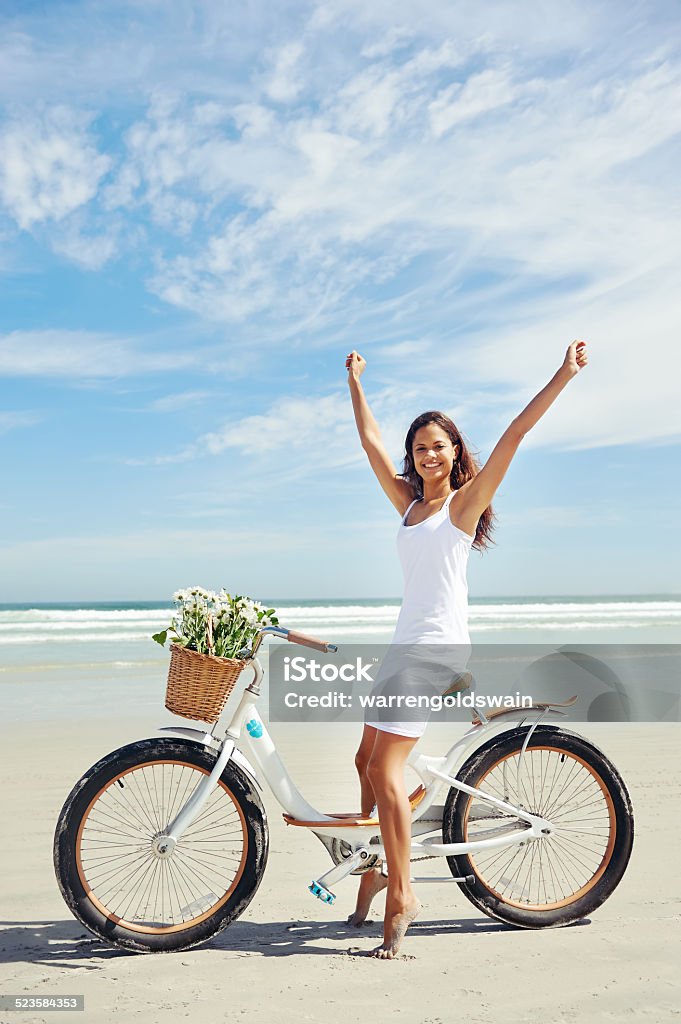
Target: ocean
98,658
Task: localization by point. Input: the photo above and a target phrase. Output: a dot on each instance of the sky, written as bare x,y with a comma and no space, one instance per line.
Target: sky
204,207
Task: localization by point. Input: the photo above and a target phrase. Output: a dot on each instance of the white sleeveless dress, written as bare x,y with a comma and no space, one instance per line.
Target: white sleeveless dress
434,558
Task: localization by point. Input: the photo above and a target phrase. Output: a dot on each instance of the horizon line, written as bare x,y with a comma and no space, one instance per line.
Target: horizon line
320,600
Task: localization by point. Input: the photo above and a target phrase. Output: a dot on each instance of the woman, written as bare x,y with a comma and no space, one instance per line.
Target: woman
441,487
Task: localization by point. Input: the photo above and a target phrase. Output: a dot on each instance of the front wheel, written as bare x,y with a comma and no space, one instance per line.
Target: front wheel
551,881
113,875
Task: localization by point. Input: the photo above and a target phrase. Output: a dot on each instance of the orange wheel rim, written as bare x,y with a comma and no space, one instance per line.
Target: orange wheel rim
557,870
117,866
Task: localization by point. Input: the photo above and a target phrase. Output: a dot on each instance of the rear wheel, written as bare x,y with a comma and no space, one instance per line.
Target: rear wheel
554,880
109,861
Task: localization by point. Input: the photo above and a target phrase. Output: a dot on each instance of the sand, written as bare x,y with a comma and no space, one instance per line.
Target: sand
287,958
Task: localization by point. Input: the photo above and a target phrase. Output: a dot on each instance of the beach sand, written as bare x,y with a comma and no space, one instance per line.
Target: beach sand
288,957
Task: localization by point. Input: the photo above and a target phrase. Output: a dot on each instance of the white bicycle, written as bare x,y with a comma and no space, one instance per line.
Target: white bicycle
164,842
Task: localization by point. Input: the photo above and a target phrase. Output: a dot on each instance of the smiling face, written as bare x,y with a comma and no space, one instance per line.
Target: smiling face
433,453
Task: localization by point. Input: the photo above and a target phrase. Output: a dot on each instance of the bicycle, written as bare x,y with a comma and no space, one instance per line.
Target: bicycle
164,842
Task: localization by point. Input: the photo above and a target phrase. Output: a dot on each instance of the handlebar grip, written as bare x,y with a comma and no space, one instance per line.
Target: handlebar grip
309,641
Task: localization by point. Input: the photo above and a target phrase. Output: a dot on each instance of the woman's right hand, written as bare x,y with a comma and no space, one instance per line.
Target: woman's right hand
355,365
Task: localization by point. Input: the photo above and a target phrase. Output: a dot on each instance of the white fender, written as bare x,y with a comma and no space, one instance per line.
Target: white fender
208,740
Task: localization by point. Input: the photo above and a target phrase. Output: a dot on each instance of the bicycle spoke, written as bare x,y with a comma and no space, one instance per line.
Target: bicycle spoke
550,870
124,871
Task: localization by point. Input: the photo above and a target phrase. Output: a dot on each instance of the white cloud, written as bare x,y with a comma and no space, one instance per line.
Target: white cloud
418,347
253,120
89,251
285,82
394,39
388,95
304,438
500,23
49,167
628,394
290,423
81,355
185,455
15,419
172,403
459,102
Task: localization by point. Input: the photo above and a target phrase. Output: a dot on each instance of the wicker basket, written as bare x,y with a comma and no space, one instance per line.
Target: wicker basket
199,684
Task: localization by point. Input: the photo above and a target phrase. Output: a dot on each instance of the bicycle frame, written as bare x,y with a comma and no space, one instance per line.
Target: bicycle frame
433,771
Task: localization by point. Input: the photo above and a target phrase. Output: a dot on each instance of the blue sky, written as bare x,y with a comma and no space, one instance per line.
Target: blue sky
204,207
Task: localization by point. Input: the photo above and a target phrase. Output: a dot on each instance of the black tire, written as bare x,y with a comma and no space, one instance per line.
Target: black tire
225,849
553,881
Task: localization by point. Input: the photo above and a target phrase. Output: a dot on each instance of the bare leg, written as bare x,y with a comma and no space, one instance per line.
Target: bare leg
372,881
386,774
362,758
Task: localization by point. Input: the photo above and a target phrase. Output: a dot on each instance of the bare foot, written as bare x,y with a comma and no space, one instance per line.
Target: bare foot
370,883
394,927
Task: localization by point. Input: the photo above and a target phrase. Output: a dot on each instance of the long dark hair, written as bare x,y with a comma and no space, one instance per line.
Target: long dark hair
463,470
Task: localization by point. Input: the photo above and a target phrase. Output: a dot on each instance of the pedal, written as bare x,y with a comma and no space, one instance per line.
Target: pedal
321,892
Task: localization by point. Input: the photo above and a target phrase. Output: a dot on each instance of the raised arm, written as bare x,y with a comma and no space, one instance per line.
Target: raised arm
474,497
394,486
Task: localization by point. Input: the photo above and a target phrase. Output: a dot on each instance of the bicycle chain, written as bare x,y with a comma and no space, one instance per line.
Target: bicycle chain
376,863
427,856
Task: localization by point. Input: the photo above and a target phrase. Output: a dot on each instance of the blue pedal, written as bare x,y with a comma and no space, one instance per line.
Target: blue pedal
322,893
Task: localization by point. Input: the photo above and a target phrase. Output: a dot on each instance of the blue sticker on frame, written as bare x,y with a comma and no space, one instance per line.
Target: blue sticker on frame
254,728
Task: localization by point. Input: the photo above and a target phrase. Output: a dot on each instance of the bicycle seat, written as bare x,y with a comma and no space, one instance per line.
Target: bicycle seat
354,820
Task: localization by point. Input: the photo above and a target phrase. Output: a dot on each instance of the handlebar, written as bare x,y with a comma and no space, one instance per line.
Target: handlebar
294,637
309,641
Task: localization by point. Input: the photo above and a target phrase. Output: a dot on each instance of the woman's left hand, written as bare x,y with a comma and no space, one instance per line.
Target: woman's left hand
575,357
